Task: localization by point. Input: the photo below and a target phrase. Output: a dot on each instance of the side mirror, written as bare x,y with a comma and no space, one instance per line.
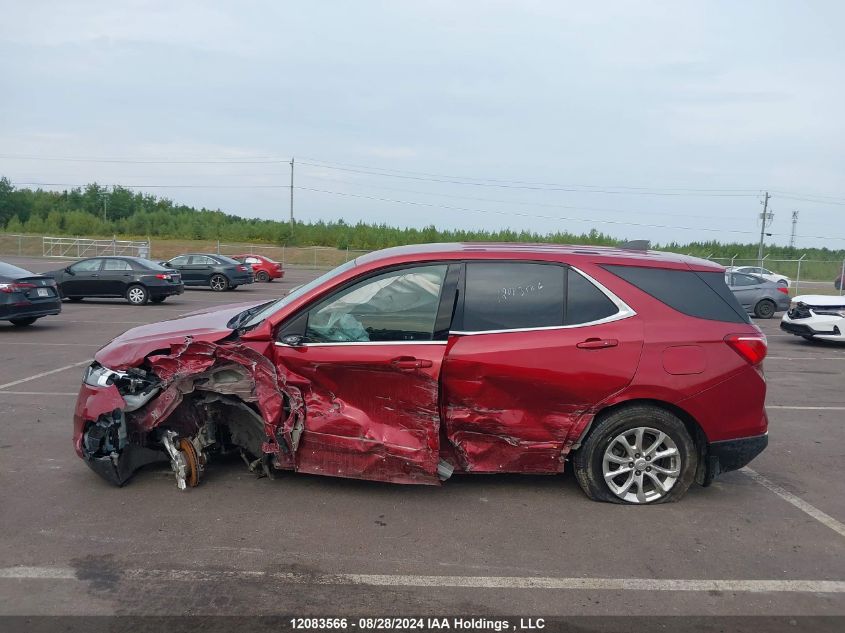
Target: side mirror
69,271
293,340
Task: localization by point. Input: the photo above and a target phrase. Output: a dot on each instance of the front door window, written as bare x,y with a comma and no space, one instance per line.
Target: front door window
396,306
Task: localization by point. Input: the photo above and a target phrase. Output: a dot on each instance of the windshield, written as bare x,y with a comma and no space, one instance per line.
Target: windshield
296,293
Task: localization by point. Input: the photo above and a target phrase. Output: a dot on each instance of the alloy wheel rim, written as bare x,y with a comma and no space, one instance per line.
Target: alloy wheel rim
217,284
641,465
136,295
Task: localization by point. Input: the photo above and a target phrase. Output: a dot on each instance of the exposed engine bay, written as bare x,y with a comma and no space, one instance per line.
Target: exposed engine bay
186,406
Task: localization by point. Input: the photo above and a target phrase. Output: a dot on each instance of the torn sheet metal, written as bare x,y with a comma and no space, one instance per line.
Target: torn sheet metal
386,424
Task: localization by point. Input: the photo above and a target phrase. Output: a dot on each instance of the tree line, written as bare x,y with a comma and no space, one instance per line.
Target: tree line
80,211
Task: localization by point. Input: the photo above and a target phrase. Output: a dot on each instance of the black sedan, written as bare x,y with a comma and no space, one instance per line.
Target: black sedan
25,296
136,279
215,271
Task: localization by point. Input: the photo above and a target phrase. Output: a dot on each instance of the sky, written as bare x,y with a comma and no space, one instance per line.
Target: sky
644,120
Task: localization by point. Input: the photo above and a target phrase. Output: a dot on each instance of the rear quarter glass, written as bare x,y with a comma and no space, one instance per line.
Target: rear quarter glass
703,295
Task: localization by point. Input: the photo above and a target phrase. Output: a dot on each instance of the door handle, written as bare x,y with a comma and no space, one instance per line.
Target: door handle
597,343
409,362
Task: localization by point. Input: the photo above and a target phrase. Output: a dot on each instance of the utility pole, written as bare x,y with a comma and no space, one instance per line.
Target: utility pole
794,224
105,197
291,198
764,217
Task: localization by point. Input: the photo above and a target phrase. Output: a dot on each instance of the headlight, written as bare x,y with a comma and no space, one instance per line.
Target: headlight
98,376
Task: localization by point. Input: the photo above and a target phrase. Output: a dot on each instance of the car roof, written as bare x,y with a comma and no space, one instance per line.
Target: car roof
571,253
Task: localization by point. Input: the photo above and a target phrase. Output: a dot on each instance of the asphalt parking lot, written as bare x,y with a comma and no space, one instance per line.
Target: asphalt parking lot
770,540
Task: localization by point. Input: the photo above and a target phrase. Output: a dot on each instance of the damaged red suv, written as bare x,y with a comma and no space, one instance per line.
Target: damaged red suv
407,365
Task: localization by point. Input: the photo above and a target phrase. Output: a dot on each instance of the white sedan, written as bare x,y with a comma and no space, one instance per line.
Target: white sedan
816,317
768,275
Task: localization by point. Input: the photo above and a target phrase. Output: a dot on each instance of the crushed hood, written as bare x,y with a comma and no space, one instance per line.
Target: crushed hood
130,348
827,301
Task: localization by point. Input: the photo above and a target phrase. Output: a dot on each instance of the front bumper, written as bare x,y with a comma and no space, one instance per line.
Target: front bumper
730,455
823,327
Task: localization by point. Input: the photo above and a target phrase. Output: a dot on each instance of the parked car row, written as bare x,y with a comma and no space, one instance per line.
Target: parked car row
26,296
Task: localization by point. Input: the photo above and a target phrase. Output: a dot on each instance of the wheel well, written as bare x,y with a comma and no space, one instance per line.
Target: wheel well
692,425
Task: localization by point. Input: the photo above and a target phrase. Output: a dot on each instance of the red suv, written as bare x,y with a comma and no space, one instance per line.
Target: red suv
264,268
407,365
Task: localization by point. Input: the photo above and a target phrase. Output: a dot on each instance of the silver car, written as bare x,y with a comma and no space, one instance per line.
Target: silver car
758,296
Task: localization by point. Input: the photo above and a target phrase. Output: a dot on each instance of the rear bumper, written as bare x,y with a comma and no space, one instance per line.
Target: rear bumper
166,290
240,280
730,455
36,310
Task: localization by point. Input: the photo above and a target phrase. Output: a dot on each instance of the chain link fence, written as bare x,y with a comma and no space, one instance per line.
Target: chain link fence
23,245
807,276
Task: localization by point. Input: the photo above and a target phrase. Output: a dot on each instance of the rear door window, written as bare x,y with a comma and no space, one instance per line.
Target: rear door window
87,266
202,260
512,295
116,264
704,295
585,303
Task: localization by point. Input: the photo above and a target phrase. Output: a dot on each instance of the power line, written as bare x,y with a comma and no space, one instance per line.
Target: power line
65,184
388,172
532,187
147,162
516,202
551,217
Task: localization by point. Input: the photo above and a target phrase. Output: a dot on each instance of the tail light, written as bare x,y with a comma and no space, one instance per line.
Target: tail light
15,287
752,347
242,268
164,276
278,266
783,289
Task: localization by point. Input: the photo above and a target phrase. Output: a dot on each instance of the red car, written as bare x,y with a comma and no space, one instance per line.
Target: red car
638,368
264,268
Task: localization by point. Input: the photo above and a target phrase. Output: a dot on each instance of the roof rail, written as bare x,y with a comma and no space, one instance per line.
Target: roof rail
636,245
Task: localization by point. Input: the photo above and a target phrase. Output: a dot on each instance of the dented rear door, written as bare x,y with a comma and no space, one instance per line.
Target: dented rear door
524,367
366,362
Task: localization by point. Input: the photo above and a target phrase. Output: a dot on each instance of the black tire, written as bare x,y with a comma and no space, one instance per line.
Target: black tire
765,309
137,295
157,299
588,460
218,283
23,322
262,276
75,299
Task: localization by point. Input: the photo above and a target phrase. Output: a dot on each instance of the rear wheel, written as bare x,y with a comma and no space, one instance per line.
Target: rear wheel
218,283
137,295
637,455
24,321
765,309
263,276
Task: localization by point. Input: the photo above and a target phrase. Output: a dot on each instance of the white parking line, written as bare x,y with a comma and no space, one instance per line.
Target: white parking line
805,357
799,503
36,393
44,373
42,344
800,408
473,582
